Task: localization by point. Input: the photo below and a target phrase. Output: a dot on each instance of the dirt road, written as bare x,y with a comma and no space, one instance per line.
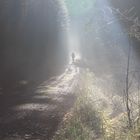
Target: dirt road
35,113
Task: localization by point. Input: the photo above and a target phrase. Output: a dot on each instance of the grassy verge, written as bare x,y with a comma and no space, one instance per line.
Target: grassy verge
90,120
83,122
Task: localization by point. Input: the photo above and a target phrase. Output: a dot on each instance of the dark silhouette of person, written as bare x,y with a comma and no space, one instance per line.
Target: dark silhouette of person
73,56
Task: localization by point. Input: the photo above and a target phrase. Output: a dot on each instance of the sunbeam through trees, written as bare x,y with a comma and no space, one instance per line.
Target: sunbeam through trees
69,70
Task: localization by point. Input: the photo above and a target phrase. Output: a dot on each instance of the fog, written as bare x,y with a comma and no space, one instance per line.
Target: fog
104,42
33,40
69,69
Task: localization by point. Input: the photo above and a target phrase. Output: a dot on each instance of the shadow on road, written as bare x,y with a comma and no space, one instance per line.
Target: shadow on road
35,112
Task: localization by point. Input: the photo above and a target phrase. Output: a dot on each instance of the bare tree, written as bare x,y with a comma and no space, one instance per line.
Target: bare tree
127,87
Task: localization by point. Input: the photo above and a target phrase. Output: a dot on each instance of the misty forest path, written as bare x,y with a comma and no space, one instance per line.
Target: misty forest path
34,114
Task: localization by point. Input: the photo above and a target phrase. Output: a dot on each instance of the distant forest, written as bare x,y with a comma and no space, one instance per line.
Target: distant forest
32,39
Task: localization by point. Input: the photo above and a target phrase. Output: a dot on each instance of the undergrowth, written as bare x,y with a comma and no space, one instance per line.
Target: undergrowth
88,121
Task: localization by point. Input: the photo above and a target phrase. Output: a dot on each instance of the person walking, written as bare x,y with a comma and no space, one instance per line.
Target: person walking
73,56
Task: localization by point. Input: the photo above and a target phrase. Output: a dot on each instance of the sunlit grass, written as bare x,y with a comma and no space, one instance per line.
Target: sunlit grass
83,122
91,120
